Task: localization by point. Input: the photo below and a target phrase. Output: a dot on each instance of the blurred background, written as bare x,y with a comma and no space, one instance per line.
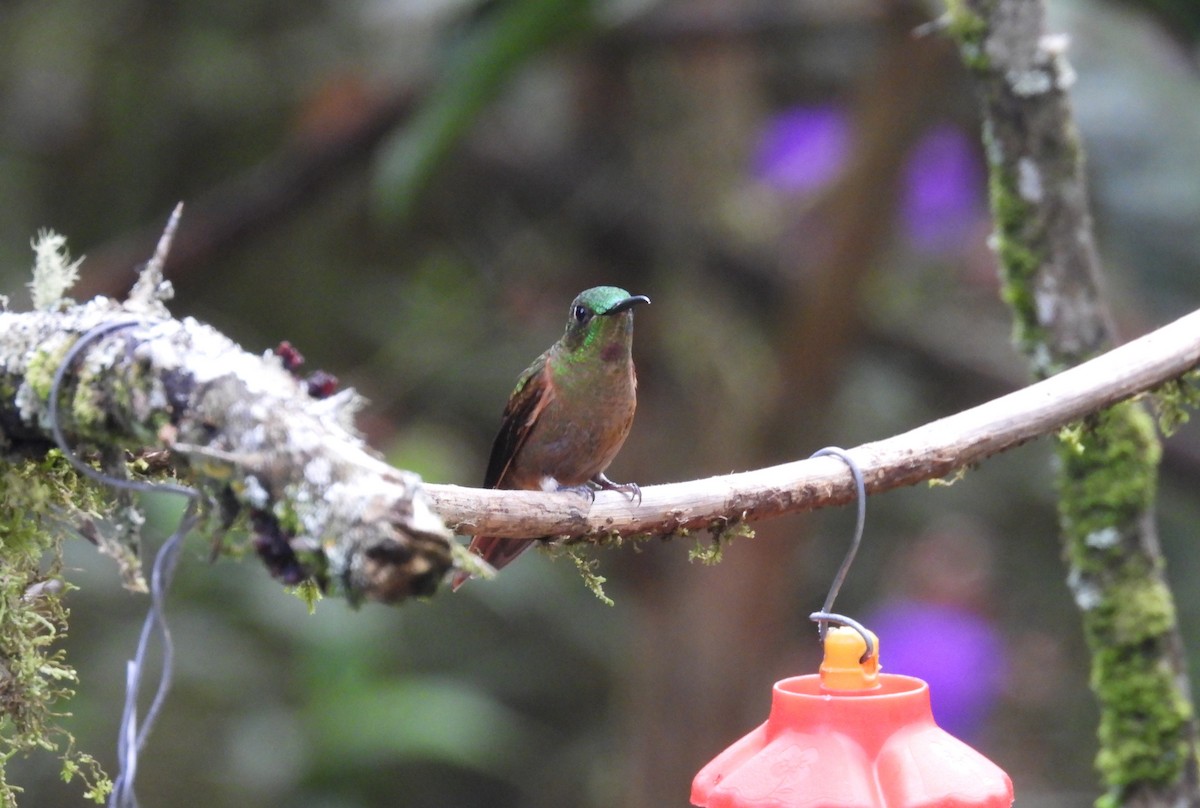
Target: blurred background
412,191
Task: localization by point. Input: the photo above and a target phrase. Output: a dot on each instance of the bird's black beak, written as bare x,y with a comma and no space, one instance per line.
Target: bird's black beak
627,303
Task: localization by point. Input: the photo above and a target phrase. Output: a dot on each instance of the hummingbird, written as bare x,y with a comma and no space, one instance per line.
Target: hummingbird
569,413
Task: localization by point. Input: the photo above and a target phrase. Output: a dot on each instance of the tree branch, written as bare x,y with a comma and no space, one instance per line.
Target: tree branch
927,452
323,506
239,427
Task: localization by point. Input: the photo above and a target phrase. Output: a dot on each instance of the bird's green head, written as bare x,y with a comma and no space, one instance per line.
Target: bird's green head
601,317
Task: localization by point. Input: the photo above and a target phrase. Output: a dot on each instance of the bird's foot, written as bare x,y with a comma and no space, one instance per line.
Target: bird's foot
584,490
632,490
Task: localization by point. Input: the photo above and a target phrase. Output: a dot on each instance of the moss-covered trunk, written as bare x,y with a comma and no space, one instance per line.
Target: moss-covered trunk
1108,465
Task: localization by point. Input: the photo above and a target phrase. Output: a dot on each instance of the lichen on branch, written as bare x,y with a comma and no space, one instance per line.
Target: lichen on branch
134,395
255,440
54,273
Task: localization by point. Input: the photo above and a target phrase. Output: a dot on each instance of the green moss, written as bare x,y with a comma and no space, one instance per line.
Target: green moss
39,372
951,478
587,569
1143,733
84,408
1107,486
96,395
468,562
1174,401
1018,263
91,393
285,514
1146,611
87,405
1109,476
708,553
722,532
1144,718
34,675
969,30
309,591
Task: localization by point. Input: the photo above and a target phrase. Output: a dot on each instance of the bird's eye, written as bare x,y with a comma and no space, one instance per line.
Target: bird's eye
580,313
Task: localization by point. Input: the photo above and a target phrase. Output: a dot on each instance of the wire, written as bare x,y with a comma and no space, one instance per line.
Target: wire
842,620
56,425
824,617
131,738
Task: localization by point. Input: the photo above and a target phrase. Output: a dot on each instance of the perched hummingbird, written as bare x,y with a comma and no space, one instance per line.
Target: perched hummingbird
569,413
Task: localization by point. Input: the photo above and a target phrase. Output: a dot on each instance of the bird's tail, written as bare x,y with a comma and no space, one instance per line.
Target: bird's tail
495,551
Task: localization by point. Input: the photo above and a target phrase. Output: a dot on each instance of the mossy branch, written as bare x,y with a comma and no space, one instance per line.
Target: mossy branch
254,439
1108,469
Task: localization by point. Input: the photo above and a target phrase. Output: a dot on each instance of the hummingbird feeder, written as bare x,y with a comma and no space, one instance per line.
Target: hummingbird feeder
850,736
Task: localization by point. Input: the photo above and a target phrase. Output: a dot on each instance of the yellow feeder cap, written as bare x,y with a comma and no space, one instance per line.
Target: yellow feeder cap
843,667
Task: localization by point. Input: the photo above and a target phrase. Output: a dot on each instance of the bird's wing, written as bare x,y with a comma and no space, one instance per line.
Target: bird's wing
533,392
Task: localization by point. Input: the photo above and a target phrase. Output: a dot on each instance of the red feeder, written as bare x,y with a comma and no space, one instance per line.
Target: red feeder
851,738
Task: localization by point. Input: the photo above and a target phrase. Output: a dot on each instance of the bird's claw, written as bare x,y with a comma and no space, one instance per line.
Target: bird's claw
632,490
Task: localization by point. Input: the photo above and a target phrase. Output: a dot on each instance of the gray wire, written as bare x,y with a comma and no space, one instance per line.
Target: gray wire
844,569
56,425
131,738
841,619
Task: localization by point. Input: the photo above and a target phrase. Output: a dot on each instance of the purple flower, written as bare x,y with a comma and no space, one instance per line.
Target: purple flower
802,149
943,191
956,651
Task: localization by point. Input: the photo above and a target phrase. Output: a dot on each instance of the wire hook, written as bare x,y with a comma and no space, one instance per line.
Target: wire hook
840,619
825,616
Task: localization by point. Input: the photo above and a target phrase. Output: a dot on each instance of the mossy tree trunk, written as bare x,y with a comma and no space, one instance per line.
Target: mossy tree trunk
1108,465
